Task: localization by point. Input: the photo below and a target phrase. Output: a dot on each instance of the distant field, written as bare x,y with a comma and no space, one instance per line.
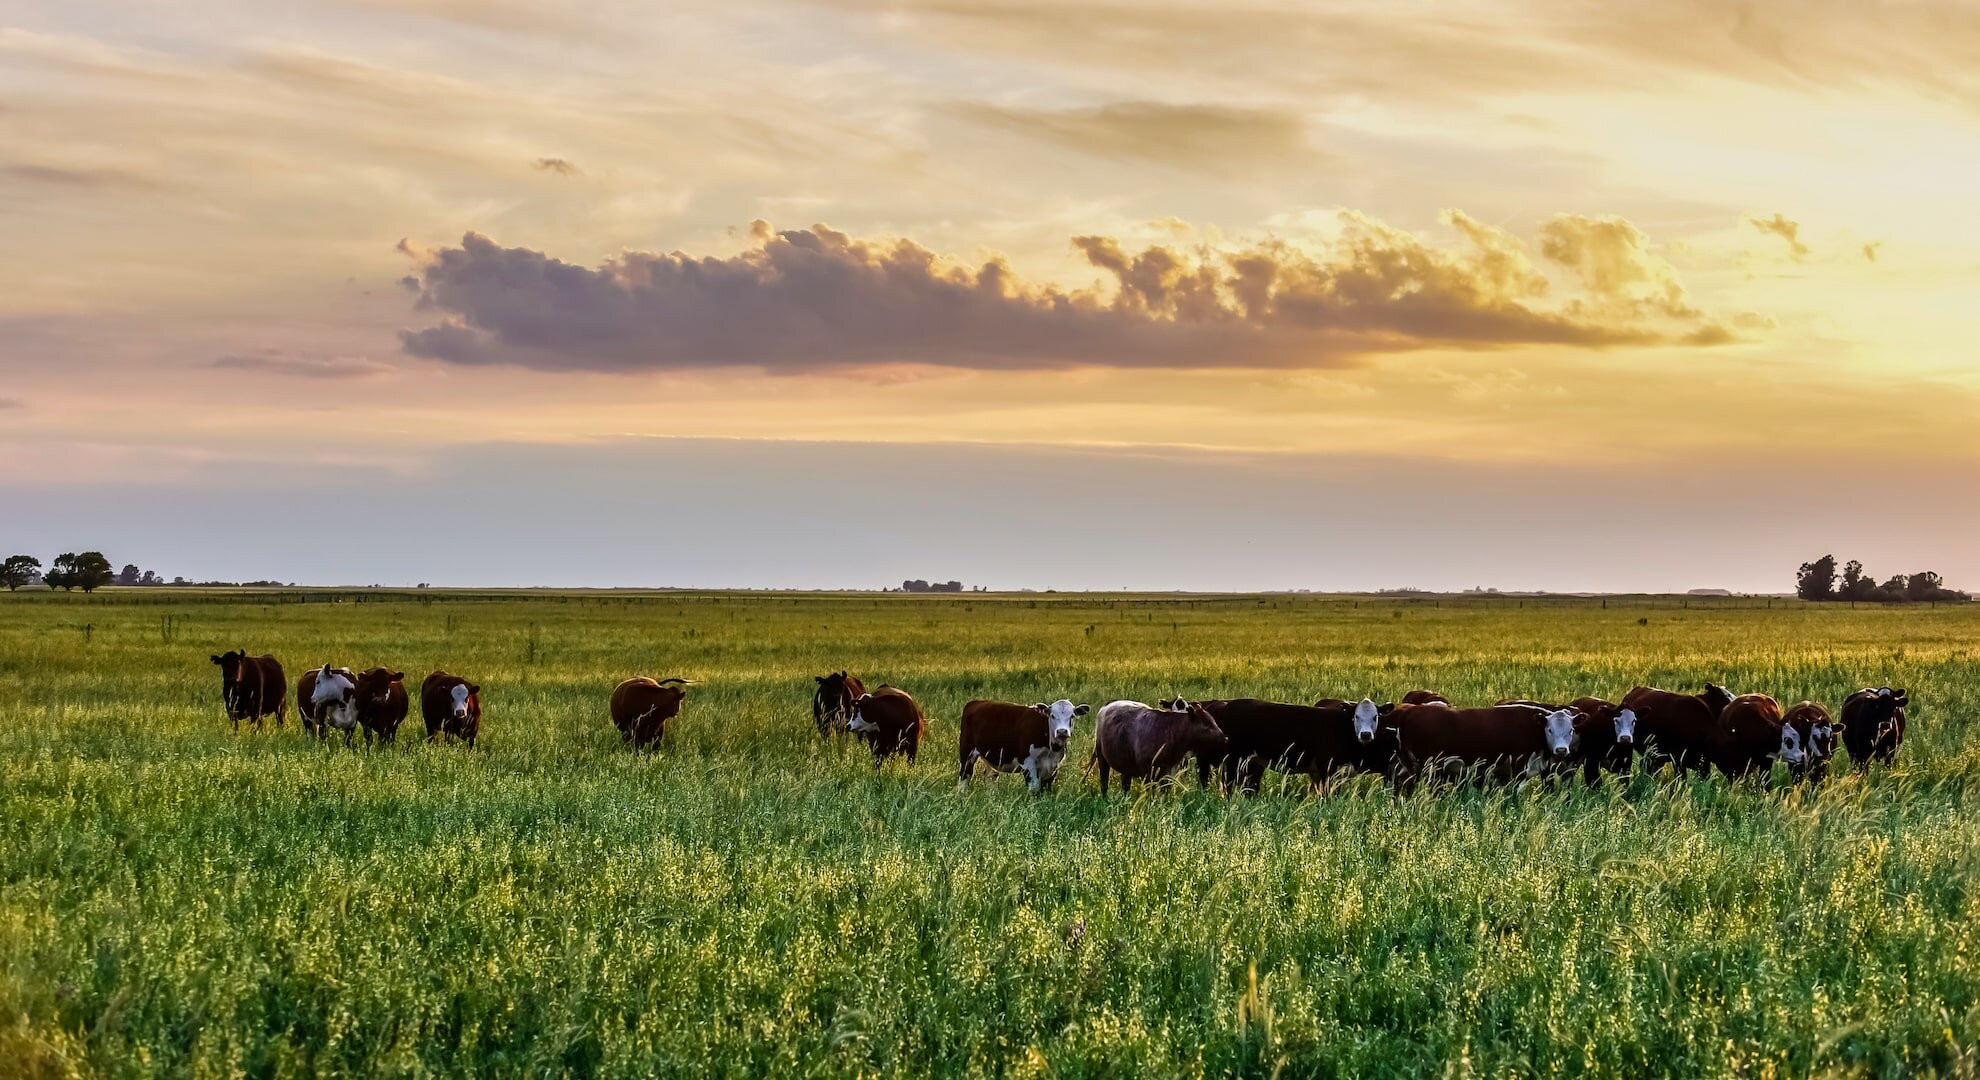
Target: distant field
176,899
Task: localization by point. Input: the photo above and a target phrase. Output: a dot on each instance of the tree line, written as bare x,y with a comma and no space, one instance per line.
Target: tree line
1819,580
90,571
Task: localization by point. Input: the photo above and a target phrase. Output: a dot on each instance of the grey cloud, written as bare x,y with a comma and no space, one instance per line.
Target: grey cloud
818,299
557,165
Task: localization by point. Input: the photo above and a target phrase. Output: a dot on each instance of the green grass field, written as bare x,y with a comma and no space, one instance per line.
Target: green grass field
180,900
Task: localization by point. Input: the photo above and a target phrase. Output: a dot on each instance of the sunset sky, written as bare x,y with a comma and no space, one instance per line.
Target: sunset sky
1548,294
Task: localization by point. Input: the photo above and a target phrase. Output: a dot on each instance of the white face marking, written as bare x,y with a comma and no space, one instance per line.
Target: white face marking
1790,745
1179,705
1820,740
1626,726
1041,766
1059,717
859,721
460,701
1560,732
1366,715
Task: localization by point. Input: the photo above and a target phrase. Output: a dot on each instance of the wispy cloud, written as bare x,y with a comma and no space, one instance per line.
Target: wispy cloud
557,165
275,362
1790,231
1210,138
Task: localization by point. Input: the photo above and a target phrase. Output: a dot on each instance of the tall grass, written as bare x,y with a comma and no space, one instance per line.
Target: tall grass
179,900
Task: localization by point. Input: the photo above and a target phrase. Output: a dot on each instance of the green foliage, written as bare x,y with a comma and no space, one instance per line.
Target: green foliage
752,900
18,570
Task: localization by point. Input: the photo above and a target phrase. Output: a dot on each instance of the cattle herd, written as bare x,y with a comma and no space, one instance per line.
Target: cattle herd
1421,736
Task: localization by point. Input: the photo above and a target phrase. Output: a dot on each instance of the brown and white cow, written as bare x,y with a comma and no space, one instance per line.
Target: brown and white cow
1755,736
1317,740
327,698
1605,735
1506,742
1009,737
1141,742
1873,725
451,706
1681,729
642,706
382,703
252,687
890,721
1818,731
832,702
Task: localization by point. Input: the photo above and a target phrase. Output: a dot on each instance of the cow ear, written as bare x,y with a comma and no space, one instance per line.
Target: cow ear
216,659
1041,706
1902,696
398,676
1836,728
1082,710
473,689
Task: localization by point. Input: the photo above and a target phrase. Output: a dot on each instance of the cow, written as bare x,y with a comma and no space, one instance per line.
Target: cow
326,697
1318,740
890,721
451,706
1424,697
382,703
1873,725
252,687
1140,742
1818,730
1755,736
1011,737
1681,729
642,706
1605,735
1507,742
831,703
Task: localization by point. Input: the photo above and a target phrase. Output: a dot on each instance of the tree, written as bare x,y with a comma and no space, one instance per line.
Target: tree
128,575
1817,580
18,570
1924,585
88,571
1853,585
150,578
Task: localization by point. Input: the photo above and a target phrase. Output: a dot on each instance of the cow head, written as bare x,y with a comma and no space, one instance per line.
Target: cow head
1885,706
1717,697
1626,727
334,697
457,699
231,662
1792,750
858,721
376,684
1201,733
1366,716
1557,728
1059,720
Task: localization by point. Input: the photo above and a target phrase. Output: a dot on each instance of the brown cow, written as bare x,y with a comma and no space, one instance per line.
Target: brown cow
1144,743
1605,735
641,708
450,705
1011,737
831,703
1818,732
1873,725
1508,742
1318,740
1424,697
1755,735
890,721
252,687
326,697
1681,729
382,703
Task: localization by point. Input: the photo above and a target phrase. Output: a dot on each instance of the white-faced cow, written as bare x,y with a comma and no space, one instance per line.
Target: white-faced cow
1819,731
1008,737
327,699
1506,742
890,721
252,687
451,706
1316,740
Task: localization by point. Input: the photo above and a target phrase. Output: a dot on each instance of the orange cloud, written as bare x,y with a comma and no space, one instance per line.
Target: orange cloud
1790,231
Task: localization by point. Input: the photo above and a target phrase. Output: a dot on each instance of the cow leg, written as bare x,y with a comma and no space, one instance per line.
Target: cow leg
1103,773
968,766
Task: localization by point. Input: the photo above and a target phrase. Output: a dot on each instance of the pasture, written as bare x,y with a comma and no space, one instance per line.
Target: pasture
178,899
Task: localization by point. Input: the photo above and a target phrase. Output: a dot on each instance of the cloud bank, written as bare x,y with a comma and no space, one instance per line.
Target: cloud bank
819,299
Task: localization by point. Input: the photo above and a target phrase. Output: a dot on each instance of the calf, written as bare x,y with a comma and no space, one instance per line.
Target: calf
831,703
1873,725
252,687
1141,742
1007,736
382,703
890,721
327,698
1818,732
1681,729
1508,742
641,708
1318,740
450,705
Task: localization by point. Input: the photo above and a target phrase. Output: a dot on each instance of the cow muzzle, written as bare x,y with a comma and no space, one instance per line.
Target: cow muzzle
1625,740
1560,751
1365,737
